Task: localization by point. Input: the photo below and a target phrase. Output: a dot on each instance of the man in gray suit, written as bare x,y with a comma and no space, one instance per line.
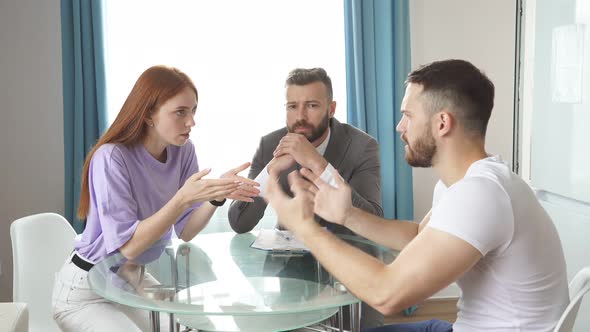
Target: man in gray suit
314,139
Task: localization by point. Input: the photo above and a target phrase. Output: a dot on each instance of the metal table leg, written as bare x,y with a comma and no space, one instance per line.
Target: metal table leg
172,327
355,317
155,321
340,319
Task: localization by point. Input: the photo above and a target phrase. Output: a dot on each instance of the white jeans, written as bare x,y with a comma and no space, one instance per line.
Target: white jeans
77,308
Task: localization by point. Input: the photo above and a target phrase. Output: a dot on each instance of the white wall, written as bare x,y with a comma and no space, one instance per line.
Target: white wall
31,129
572,220
554,148
482,32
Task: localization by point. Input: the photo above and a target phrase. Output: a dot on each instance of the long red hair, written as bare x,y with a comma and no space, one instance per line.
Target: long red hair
153,88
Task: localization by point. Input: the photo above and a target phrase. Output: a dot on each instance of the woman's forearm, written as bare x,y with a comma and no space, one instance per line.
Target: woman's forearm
151,229
198,220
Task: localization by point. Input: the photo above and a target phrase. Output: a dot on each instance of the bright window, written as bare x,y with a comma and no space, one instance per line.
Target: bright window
237,52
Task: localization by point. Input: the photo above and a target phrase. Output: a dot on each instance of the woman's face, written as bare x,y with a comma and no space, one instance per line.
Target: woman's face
173,121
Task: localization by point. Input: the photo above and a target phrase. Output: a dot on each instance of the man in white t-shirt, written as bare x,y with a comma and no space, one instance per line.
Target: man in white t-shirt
486,230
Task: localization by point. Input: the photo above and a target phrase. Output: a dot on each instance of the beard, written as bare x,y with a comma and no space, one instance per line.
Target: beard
422,151
316,132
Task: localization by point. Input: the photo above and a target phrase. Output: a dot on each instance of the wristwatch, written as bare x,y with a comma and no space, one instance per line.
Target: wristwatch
217,203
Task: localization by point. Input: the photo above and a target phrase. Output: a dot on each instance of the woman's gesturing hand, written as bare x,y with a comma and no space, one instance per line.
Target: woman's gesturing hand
197,189
246,189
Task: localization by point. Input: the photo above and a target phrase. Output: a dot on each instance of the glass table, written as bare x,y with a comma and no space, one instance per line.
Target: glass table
217,282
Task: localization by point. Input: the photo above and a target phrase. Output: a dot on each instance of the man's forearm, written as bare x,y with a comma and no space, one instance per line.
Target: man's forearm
395,234
363,275
243,216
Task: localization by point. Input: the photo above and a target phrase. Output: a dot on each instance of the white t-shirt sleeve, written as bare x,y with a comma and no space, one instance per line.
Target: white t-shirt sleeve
478,211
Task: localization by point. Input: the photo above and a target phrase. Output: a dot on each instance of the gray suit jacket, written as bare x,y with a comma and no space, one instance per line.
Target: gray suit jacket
352,152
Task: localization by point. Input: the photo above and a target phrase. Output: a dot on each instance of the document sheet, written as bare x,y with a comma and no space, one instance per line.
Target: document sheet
278,240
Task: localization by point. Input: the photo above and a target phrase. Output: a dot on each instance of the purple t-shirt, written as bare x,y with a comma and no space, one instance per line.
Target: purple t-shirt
127,185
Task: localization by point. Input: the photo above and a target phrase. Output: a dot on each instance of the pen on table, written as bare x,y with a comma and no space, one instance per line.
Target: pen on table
283,235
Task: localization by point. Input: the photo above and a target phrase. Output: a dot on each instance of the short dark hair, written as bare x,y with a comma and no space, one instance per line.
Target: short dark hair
459,85
302,76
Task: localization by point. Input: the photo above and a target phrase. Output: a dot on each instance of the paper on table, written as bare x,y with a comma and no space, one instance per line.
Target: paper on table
277,240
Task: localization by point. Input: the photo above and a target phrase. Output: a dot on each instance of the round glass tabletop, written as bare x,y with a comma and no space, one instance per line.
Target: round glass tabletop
220,274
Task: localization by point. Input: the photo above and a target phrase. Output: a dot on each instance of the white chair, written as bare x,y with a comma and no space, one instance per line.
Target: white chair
579,286
14,317
40,245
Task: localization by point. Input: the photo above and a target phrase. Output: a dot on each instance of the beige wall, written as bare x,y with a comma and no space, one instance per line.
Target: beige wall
480,31
31,137
31,130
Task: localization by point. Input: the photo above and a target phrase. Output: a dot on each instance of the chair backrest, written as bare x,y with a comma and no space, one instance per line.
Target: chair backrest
579,286
14,317
40,245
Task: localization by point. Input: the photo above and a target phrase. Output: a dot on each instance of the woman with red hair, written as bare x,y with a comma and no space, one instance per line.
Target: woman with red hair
140,182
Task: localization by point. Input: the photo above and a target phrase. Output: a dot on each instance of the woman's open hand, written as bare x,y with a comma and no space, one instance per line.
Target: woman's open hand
246,189
197,189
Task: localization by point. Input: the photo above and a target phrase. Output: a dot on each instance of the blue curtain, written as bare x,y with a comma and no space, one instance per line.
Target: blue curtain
84,92
377,62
